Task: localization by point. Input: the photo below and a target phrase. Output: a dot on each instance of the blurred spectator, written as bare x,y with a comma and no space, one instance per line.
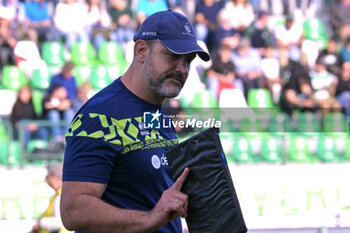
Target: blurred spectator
206,20
271,73
301,9
239,12
14,11
322,81
147,7
66,79
289,37
23,109
38,21
225,34
123,22
50,220
345,52
324,85
98,22
57,107
258,32
85,92
7,43
71,27
297,93
247,62
276,7
339,15
342,93
331,56
173,4
221,74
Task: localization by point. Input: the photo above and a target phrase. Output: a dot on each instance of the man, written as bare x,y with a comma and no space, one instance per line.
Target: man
247,62
116,177
258,32
205,17
289,38
339,18
67,79
51,221
146,8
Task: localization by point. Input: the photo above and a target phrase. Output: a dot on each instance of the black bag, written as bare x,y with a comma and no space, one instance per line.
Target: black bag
213,203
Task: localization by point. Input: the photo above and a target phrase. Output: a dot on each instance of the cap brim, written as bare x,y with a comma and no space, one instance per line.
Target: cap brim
185,47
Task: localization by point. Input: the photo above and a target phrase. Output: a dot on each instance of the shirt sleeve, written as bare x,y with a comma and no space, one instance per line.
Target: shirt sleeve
93,145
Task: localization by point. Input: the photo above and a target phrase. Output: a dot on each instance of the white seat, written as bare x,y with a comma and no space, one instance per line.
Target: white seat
129,51
234,105
29,57
6,106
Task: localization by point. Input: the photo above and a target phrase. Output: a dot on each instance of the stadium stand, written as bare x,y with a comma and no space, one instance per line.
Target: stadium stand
100,66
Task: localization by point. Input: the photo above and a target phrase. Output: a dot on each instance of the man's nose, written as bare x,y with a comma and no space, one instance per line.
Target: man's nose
183,66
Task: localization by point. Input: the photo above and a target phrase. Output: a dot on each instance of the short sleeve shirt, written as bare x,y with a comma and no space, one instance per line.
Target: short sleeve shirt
107,143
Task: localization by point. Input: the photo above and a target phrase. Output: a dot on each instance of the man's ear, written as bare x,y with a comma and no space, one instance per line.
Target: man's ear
141,49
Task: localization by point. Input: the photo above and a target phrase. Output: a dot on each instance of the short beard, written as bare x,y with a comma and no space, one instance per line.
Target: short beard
158,83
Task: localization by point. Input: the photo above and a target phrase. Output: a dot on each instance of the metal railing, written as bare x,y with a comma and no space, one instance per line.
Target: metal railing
44,153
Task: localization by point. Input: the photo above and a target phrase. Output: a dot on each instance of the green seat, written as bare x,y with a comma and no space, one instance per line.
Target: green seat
4,137
227,139
204,106
83,53
307,122
204,99
228,125
4,151
346,153
252,128
99,77
259,98
327,150
15,154
298,149
242,151
13,78
315,30
334,123
272,150
4,142
36,143
249,125
185,103
115,71
41,79
37,97
53,53
279,123
81,74
110,53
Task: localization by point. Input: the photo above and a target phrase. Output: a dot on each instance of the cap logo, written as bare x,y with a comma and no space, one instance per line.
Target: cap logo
188,30
149,33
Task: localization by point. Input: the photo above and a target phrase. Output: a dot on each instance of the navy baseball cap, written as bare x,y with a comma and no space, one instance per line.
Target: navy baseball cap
172,30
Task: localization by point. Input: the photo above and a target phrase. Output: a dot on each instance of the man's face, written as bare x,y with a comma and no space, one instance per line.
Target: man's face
166,72
67,74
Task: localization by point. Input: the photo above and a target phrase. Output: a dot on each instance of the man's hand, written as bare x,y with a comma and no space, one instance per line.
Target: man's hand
172,204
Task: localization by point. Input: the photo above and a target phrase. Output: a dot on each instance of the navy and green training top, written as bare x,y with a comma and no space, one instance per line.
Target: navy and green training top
107,143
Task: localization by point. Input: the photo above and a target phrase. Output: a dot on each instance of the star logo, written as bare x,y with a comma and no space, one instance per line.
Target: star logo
155,115
151,120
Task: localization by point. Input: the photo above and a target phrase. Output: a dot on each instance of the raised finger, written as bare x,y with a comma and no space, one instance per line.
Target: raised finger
181,180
